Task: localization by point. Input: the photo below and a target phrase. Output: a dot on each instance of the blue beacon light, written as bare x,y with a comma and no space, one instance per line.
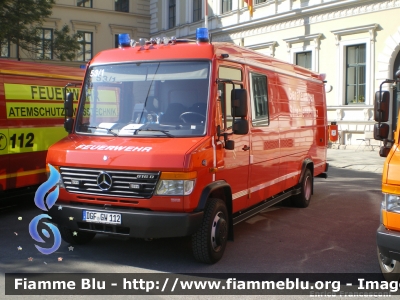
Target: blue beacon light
124,40
202,34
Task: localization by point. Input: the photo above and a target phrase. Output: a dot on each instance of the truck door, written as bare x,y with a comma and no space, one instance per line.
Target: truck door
264,181
235,169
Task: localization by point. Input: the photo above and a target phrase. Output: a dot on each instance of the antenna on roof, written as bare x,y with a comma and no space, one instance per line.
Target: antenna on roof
206,14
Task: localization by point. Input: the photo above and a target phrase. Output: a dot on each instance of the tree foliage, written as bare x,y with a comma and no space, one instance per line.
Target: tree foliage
65,45
21,23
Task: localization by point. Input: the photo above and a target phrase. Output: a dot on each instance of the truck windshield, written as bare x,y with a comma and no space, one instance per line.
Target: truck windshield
163,99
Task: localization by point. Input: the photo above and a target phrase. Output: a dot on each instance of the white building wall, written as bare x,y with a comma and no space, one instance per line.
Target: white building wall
102,20
282,28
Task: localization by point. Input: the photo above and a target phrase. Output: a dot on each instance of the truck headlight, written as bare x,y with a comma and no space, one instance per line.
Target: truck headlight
176,183
391,203
383,210
175,187
60,183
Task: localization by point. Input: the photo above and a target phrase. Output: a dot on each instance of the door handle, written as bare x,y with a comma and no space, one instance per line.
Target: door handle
245,148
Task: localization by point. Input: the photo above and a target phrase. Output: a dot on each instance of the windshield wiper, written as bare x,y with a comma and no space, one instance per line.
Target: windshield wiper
109,130
148,129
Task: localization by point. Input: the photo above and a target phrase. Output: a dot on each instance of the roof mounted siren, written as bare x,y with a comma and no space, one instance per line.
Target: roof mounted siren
124,40
202,35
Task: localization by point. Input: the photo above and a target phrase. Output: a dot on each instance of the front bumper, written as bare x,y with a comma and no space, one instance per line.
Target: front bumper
135,223
388,242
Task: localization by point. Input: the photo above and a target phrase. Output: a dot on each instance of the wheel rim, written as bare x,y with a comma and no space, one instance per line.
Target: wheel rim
387,263
219,232
307,188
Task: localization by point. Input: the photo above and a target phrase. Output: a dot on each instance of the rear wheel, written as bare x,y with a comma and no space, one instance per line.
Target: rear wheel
76,237
303,199
209,242
390,268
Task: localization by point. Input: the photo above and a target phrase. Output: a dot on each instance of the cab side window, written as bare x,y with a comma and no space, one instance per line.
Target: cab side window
259,100
230,78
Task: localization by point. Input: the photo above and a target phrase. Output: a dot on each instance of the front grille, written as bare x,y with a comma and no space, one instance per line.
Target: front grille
130,184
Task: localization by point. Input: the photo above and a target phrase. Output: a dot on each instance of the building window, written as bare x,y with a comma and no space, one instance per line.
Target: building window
122,5
303,59
226,6
84,3
116,41
260,1
86,50
171,13
5,48
355,74
197,4
260,116
45,47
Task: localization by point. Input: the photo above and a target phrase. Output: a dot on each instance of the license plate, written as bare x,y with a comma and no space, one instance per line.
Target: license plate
101,217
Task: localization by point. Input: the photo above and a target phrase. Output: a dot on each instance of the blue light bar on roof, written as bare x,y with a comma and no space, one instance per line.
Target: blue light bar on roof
124,40
202,35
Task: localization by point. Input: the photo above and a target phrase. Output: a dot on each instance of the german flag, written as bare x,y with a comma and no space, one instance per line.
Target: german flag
250,6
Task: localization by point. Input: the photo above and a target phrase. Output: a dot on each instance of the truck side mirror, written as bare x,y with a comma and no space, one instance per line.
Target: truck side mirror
239,103
384,152
381,131
239,110
68,124
69,112
69,105
381,106
240,126
230,145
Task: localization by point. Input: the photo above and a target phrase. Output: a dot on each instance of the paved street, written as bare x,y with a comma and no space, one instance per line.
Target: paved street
366,160
335,234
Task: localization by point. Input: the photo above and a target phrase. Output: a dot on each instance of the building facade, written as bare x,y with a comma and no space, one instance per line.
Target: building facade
99,22
355,43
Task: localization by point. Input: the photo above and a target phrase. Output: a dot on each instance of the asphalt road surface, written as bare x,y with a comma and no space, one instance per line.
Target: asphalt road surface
335,234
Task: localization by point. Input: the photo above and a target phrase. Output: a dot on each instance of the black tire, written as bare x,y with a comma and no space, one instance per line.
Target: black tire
390,268
80,238
209,242
303,199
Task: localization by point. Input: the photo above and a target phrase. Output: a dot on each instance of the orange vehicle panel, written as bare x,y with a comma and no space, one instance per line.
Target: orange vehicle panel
393,169
392,221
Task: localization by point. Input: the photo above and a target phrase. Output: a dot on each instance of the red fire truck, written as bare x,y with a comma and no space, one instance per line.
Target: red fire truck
187,138
31,118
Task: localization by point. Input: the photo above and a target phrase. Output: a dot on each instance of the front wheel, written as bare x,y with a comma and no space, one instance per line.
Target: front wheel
390,268
209,242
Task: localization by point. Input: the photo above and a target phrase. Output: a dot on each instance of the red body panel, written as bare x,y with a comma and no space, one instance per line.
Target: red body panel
26,91
162,155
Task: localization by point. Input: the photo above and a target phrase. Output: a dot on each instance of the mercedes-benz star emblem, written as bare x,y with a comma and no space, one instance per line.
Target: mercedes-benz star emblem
104,181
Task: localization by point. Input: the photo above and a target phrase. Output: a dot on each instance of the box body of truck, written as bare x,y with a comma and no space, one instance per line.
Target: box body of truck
388,233
187,138
31,119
